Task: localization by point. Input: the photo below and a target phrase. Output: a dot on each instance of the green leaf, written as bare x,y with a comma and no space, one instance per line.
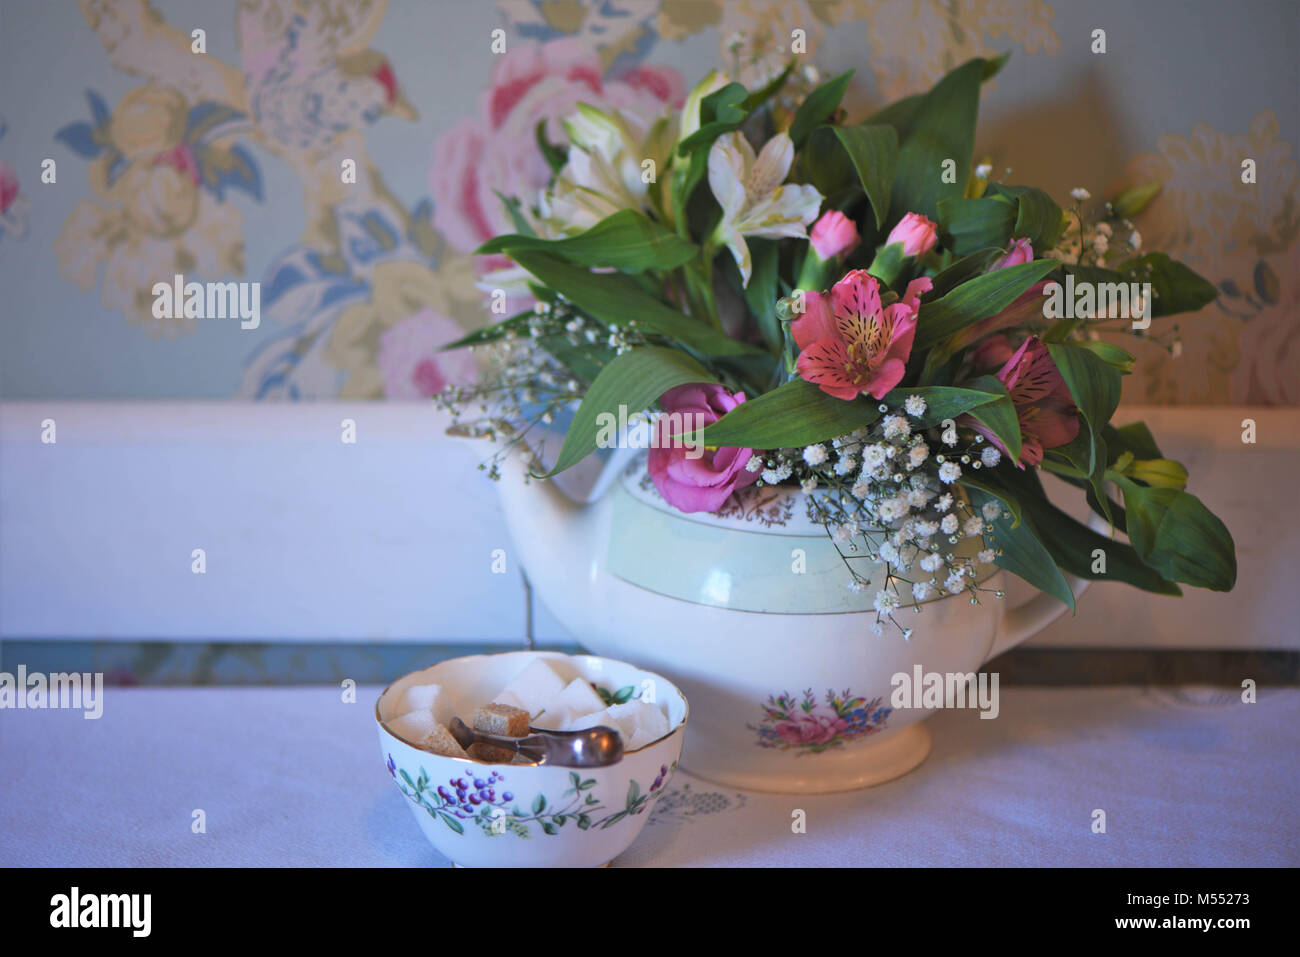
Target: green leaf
539,804
1038,217
619,301
1012,504
873,150
1094,385
945,402
549,828
968,225
1135,438
1132,201
793,415
773,87
981,297
515,212
721,111
1024,554
1072,543
451,822
406,777
1176,288
938,126
635,380
1120,359
963,270
584,822
761,293
819,106
1178,536
998,416
627,241
554,155
613,819
887,263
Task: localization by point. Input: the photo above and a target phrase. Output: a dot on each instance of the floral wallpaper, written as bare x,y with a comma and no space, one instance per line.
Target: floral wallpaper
172,153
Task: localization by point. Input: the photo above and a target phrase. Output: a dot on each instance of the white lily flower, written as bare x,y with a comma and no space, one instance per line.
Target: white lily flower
603,173
753,198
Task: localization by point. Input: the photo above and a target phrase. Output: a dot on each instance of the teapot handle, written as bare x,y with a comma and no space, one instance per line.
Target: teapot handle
1027,619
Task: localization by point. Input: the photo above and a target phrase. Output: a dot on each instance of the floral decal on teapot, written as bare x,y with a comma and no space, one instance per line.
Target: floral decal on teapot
812,726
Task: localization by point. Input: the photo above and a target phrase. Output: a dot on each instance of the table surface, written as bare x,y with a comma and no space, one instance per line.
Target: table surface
293,776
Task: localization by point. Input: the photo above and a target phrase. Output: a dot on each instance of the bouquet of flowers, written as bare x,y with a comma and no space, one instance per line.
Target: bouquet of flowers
857,310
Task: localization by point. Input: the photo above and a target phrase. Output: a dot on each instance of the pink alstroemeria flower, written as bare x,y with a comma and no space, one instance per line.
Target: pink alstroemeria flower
1044,406
851,344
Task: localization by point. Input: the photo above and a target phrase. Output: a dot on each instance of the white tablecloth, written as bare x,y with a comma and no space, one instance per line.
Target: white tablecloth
294,776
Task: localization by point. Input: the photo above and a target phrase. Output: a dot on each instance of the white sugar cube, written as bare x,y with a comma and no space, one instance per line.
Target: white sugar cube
640,722
577,698
555,719
532,688
595,719
428,698
414,727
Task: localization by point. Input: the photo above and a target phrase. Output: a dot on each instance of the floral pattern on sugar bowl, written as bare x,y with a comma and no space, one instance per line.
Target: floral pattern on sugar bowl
482,798
812,727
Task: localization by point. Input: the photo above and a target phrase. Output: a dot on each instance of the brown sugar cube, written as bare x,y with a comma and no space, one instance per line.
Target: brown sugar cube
502,720
440,741
485,752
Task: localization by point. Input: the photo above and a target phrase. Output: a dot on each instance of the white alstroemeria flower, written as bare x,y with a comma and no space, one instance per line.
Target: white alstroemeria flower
604,171
754,202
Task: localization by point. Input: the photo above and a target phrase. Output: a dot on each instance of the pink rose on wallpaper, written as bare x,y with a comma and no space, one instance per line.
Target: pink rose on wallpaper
8,186
497,149
410,362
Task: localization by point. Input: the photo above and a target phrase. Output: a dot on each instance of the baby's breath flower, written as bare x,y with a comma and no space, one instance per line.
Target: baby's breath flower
990,456
986,556
1080,194
949,524
896,427
944,503
885,603
949,472
754,464
991,510
932,563
917,454
915,406
846,464
814,454
921,591
972,526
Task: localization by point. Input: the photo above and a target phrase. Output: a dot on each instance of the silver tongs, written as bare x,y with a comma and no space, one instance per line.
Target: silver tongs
589,748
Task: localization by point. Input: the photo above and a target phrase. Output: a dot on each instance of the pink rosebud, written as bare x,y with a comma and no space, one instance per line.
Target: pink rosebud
917,234
833,235
691,478
1018,253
